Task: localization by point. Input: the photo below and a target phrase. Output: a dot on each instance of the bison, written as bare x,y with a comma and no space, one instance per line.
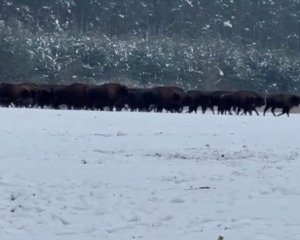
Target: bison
215,98
20,95
45,96
134,100
200,99
107,95
247,101
73,96
172,99
283,101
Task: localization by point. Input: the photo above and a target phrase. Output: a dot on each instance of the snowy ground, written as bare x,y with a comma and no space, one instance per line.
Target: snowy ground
100,175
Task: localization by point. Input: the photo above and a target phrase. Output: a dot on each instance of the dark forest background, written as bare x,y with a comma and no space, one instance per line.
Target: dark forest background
228,44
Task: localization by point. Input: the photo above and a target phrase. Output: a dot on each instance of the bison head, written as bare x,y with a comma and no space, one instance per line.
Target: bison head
295,100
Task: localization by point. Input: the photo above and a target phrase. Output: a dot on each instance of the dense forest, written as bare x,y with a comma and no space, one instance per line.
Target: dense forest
221,44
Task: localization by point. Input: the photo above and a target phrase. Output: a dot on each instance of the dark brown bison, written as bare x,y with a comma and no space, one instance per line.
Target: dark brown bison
38,93
134,100
200,99
45,96
283,101
20,95
5,94
215,98
52,95
185,98
228,101
107,95
73,96
172,99
247,101
151,99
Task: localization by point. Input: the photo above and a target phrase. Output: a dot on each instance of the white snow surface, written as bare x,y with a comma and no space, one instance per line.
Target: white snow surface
122,175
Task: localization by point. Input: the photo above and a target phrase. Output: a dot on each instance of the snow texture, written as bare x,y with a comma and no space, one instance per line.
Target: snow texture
227,24
100,175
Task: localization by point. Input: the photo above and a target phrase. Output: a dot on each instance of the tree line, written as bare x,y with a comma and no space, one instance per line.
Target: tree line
268,22
203,43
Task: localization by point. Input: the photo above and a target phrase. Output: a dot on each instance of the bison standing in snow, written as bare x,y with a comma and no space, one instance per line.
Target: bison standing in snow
107,95
73,96
215,98
45,96
20,95
200,99
172,99
247,101
134,100
283,101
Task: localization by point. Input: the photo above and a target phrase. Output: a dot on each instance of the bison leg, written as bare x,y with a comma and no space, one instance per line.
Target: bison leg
55,106
119,107
97,107
159,109
193,109
284,110
151,108
221,110
273,111
254,109
237,110
180,110
245,111
212,109
280,114
111,107
287,111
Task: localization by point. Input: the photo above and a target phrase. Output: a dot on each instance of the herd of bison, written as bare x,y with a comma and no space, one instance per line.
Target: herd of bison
117,96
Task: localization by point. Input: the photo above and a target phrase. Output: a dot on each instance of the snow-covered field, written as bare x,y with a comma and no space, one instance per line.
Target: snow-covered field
100,175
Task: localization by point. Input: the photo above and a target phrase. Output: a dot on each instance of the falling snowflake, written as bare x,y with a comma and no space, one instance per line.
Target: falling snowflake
227,24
